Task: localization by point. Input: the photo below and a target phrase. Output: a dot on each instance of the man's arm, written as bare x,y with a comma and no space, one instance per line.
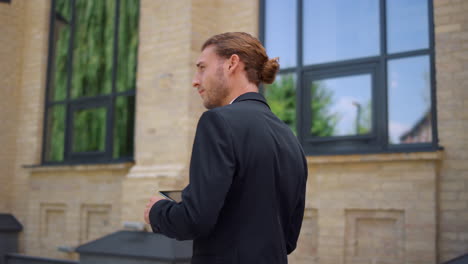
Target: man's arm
212,167
295,226
298,215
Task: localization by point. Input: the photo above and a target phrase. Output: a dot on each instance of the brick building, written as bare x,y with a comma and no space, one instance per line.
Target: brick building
372,197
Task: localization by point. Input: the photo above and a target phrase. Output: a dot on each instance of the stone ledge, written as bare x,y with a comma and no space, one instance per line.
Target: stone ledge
80,167
379,157
155,171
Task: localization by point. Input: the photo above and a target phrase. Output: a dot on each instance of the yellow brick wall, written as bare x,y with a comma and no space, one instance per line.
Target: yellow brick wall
451,39
72,205
26,66
369,208
163,85
11,39
360,208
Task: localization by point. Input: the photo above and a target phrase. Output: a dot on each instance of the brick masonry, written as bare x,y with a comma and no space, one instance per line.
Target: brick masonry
406,208
371,209
451,38
25,24
11,41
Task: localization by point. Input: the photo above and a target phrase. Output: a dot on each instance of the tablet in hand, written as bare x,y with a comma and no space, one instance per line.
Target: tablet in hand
175,196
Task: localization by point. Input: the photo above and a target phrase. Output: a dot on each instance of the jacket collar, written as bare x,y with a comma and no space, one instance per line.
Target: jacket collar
251,96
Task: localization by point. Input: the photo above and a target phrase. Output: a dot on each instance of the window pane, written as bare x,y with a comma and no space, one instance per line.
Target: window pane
63,9
342,106
93,48
337,30
281,96
123,126
280,31
59,73
89,129
407,25
409,100
128,45
55,141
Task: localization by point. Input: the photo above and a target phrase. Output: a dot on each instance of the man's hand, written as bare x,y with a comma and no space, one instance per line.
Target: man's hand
150,204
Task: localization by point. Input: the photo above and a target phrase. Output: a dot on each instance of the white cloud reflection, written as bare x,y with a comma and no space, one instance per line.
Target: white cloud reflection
397,129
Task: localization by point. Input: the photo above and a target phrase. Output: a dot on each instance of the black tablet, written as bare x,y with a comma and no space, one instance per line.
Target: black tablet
175,196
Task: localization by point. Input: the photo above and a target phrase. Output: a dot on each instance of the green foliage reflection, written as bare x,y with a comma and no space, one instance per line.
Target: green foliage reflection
128,45
363,120
60,53
281,96
89,130
93,48
91,74
323,122
56,133
123,126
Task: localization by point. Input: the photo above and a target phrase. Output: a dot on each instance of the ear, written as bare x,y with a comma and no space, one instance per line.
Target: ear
233,63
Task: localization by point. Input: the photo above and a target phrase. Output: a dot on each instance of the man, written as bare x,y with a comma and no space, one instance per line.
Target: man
245,200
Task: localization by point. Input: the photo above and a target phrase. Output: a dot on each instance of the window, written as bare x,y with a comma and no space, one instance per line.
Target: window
356,76
90,101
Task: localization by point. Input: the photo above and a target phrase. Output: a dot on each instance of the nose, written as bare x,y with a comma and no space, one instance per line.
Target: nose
195,82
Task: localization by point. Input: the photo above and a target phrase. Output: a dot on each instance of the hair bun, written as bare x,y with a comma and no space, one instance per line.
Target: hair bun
269,71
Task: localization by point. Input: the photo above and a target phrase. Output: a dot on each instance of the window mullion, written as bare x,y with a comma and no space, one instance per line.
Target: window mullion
49,80
300,103
261,22
87,105
110,116
407,54
288,70
68,119
382,93
338,64
435,136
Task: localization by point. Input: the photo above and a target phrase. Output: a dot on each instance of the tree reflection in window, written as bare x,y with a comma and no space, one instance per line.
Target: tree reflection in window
323,122
92,76
341,106
281,96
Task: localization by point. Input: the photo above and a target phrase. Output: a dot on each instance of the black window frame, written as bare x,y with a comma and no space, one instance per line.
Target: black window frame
80,103
353,145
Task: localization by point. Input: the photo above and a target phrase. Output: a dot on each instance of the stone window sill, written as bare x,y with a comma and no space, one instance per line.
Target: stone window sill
80,167
379,157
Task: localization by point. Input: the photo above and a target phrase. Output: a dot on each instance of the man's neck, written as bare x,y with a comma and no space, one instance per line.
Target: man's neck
240,91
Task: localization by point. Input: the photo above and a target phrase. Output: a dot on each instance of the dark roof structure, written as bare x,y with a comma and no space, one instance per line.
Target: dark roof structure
463,259
9,223
138,244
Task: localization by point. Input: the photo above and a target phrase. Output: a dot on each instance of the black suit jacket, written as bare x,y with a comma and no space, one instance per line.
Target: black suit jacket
246,196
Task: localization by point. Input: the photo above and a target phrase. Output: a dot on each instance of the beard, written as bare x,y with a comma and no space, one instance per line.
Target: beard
219,91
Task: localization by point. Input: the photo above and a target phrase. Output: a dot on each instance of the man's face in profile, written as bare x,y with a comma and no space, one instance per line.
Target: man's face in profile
210,79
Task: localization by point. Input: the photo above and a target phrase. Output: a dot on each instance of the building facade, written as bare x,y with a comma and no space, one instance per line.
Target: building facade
375,91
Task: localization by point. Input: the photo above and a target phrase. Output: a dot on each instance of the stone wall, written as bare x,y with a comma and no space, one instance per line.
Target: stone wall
412,208
25,28
72,205
451,41
370,209
11,42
